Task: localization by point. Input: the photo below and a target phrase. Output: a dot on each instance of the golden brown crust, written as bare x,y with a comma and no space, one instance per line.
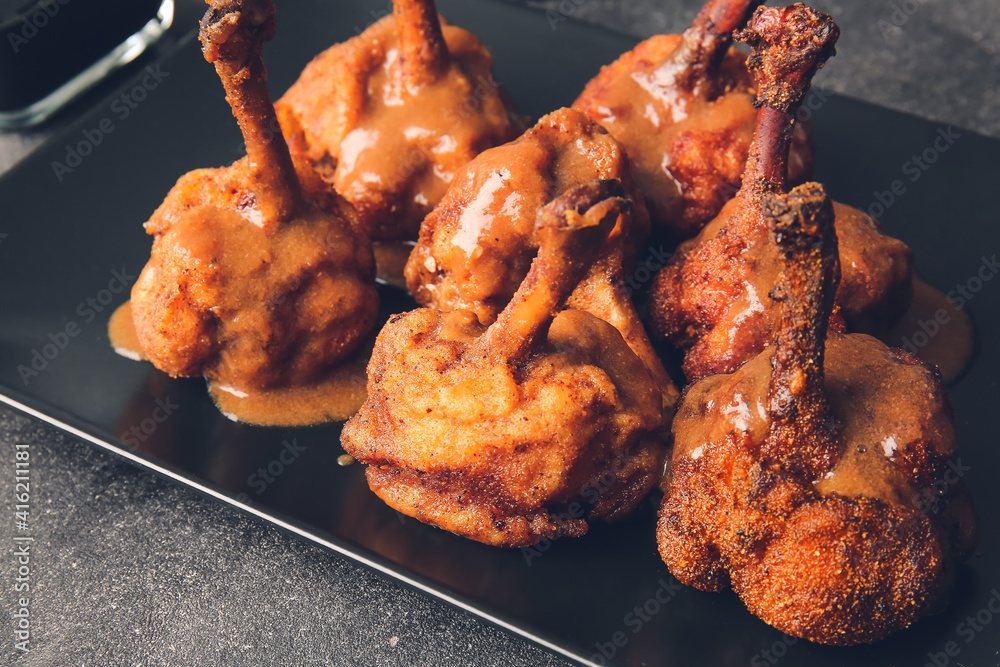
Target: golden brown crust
248,282
225,298
682,106
847,564
789,44
232,35
450,505
701,303
803,232
389,136
801,479
877,286
423,52
476,245
523,430
711,298
474,444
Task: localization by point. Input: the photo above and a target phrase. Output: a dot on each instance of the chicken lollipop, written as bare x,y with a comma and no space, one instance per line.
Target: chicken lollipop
387,117
476,246
682,106
525,430
802,479
250,283
709,299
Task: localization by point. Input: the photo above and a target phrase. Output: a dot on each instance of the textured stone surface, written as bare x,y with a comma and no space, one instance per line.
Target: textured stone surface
130,569
133,569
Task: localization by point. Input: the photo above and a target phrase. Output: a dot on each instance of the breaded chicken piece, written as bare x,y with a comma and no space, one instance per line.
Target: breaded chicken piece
682,106
249,282
388,117
476,246
801,480
524,430
710,299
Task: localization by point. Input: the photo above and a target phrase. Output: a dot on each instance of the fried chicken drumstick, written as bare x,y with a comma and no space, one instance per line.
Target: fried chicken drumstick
387,117
709,299
682,106
476,246
802,480
249,282
506,434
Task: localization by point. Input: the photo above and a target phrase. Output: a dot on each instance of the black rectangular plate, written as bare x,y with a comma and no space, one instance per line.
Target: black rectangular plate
66,235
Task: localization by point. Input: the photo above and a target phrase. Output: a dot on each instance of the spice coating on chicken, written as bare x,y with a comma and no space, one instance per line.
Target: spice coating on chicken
506,434
388,117
249,282
710,298
802,480
476,246
683,108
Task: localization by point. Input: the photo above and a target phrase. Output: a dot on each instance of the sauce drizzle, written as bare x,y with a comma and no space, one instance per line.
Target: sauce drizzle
121,331
935,330
335,398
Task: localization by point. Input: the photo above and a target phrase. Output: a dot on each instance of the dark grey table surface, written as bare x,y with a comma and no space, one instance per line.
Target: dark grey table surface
133,569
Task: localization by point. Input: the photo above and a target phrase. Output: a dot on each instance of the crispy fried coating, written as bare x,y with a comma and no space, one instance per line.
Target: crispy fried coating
524,430
476,246
803,480
388,117
710,299
683,108
249,282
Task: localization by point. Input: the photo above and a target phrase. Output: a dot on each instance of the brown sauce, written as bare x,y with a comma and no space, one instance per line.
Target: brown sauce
887,408
121,331
390,260
646,113
935,330
398,137
335,398
865,471
884,407
480,242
